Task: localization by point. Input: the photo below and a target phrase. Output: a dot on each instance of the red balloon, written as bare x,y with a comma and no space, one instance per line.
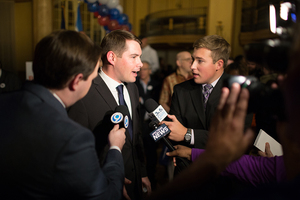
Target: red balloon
125,27
113,25
103,21
96,14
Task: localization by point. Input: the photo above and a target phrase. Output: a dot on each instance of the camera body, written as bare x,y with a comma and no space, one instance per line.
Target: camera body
262,97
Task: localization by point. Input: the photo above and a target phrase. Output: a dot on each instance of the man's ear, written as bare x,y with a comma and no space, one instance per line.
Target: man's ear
75,81
220,64
111,57
178,63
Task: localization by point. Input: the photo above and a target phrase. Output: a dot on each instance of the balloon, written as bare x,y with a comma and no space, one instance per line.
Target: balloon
112,3
103,10
106,29
120,8
129,26
122,19
103,21
113,25
91,1
103,1
114,13
93,7
125,27
96,14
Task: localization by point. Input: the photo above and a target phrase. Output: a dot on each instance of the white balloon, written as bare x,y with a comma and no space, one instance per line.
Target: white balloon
103,1
112,3
120,8
91,1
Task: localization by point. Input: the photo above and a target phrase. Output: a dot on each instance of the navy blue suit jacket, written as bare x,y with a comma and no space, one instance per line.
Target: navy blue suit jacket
44,154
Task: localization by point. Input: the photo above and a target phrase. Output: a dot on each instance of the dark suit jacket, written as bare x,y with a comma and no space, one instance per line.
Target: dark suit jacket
91,111
46,155
187,106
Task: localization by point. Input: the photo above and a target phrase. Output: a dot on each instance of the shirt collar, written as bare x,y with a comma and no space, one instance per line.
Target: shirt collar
111,83
213,83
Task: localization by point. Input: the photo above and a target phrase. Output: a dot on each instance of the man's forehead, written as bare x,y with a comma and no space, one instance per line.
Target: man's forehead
201,52
133,46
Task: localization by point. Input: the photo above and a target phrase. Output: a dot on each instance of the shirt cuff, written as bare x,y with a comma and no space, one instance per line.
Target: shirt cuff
115,147
192,138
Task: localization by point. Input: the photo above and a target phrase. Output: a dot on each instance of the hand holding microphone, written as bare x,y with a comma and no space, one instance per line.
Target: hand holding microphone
157,114
112,128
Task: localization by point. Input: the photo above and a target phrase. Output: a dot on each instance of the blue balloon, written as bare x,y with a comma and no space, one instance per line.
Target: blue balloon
93,7
106,29
129,26
103,10
114,13
123,19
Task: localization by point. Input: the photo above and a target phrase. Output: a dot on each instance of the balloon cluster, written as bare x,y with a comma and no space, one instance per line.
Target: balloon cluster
109,14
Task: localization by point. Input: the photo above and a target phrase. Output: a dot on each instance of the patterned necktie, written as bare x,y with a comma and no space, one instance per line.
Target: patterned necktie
122,102
206,93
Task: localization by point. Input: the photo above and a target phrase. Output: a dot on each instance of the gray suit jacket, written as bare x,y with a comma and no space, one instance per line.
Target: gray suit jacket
46,155
91,112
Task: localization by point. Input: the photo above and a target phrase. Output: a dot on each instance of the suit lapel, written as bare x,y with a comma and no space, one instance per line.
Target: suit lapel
104,92
214,97
197,99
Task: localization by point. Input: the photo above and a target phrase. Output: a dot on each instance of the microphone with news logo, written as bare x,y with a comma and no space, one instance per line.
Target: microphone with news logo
157,114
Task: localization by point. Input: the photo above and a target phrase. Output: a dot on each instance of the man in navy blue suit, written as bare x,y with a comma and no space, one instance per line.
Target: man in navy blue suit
44,154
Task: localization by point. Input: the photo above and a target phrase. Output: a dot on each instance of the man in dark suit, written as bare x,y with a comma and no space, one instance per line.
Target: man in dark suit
121,63
191,111
195,101
44,154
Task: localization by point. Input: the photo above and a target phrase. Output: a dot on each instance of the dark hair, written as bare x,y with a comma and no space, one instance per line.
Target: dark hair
219,47
116,41
62,55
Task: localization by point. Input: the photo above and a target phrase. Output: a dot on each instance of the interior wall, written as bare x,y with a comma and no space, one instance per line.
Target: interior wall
7,36
23,36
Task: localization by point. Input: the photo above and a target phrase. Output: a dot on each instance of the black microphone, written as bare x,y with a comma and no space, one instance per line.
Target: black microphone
157,114
120,116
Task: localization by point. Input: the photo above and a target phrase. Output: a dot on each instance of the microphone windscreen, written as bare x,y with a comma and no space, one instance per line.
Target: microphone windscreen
122,109
150,105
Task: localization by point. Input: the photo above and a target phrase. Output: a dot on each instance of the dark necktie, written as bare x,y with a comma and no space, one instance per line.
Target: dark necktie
206,93
122,102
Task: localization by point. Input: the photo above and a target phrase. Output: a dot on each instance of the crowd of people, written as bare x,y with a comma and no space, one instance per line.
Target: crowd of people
57,141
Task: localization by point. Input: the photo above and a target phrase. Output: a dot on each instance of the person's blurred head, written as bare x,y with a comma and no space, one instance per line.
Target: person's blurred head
210,57
145,71
144,41
237,68
61,56
121,55
184,61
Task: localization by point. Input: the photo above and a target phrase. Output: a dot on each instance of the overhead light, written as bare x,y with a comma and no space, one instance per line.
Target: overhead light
272,18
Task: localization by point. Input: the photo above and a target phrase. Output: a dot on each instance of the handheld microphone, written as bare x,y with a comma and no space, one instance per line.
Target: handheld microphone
157,114
120,116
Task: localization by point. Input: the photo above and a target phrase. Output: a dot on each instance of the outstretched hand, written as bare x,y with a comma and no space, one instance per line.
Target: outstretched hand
181,151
